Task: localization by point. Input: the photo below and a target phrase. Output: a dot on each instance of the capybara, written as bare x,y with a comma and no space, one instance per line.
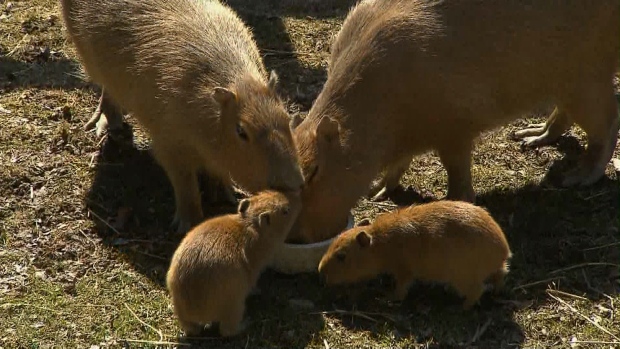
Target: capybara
406,77
219,261
190,72
451,242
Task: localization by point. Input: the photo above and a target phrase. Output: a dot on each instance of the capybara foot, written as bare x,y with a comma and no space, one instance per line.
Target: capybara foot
538,135
182,226
379,192
472,295
106,118
191,329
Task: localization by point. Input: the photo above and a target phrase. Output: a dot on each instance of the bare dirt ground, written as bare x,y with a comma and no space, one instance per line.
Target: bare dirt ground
84,244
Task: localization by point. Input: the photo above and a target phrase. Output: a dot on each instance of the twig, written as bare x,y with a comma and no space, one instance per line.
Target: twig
150,255
345,312
595,342
155,342
583,265
602,246
537,283
480,331
104,222
583,316
562,293
161,336
325,343
9,305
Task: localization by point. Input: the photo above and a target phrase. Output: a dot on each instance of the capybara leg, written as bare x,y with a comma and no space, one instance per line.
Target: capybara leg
457,162
390,180
231,323
401,289
472,292
597,113
497,279
191,329
108,117
537,136
180,167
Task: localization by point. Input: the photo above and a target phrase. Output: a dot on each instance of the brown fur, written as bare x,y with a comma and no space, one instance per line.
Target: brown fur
219,261
190,72
451,242
409,76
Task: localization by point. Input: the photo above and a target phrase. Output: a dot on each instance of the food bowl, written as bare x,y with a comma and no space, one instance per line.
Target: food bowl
303,258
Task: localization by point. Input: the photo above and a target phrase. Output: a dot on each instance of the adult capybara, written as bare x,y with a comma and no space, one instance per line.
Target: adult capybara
451,242
219,261
410,76
190,72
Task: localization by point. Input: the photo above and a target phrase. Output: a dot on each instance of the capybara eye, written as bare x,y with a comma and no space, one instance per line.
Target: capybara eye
341,256
241,133
313,173
285,211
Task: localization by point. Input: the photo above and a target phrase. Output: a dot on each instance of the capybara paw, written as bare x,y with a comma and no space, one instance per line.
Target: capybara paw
528,131
180,226
381,195
582,176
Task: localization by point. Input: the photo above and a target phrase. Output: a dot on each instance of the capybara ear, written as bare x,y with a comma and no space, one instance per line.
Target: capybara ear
364,222
223,96
296,119
327,129
264,219
363,239
243,206
273,80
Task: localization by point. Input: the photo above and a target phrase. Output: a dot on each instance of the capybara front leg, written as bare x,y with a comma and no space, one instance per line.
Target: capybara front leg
545,134
181,169
457,162
108,117
597,113
390,179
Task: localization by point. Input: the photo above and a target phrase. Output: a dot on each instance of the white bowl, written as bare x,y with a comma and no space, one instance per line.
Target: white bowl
302,258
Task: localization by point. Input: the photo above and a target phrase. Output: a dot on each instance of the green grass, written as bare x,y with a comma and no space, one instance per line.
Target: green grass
68,280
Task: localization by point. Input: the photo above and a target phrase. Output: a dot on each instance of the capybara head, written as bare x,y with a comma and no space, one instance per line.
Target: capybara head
326,198
350,258
271,212
257,144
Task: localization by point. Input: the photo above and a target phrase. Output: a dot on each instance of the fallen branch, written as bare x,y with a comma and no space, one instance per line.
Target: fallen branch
161,336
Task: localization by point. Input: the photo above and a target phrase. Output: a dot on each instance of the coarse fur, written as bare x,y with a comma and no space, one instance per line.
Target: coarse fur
410,76
219,261
451,242
191,73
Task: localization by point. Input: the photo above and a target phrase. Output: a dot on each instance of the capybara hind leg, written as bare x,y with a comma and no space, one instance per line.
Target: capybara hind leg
390,180
231,323
191,329
108,117
537,136
472,292
497,280
597,113
457,162
181,169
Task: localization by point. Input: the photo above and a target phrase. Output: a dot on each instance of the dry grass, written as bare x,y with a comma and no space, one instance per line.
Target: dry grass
67,279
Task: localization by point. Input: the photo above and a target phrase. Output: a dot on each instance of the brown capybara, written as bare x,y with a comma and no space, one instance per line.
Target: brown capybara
406,77
219,261
190,72
451,242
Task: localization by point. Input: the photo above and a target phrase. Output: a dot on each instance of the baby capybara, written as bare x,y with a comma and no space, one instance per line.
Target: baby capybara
219,261
450,242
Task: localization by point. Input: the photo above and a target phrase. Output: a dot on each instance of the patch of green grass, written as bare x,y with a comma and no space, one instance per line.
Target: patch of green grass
68,280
